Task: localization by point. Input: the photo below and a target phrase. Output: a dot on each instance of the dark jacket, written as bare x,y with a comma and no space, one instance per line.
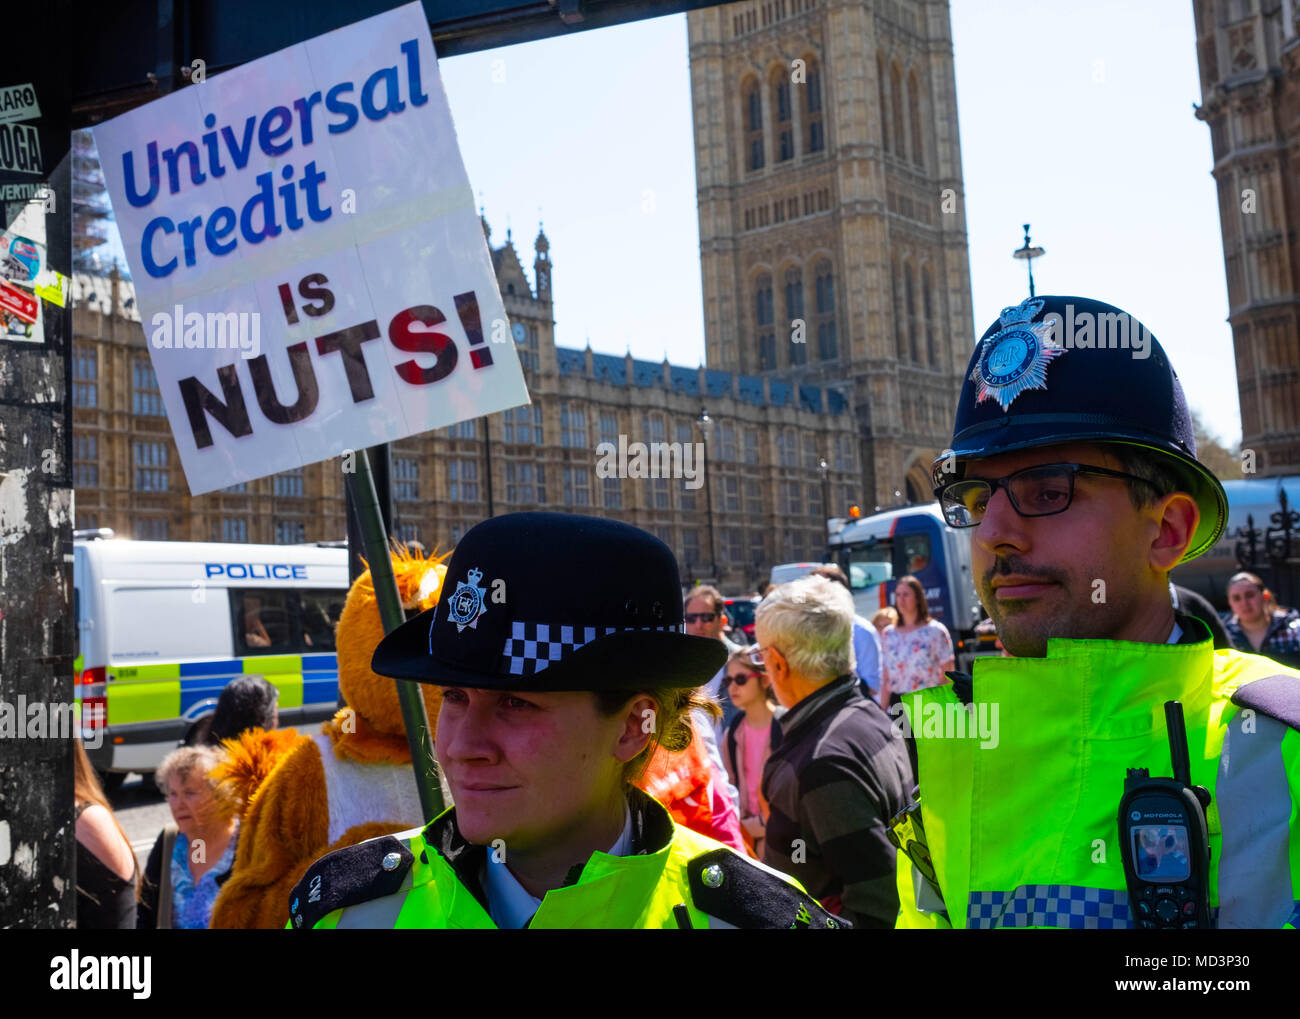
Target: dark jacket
1190,603
840,773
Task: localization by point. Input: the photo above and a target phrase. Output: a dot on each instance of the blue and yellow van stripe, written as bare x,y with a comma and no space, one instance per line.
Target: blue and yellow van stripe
157,691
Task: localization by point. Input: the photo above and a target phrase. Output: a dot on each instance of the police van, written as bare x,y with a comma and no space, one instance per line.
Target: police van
163,626
876,551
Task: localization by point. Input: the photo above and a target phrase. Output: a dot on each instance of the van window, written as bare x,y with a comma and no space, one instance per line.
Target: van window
320,615
263,622
870,565
913,553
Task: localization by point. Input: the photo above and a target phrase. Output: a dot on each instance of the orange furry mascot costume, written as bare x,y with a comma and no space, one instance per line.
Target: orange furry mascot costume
305,796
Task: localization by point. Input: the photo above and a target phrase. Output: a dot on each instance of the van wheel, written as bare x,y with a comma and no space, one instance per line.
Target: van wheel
111,781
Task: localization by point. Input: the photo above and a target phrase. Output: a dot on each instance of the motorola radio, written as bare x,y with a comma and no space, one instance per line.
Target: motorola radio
1165,842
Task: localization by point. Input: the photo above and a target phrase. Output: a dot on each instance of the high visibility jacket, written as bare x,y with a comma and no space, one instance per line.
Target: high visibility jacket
1020,810
674,877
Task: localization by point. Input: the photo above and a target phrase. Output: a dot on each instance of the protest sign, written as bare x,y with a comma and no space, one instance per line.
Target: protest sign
311,272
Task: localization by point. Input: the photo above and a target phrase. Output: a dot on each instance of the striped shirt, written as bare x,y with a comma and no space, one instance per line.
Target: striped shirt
837,778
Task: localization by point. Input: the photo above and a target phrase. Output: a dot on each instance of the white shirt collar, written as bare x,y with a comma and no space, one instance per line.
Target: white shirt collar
509,903
1177,634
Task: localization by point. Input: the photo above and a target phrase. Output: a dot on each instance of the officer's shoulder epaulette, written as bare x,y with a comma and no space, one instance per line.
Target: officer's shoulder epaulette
348,877
746,894
1275,696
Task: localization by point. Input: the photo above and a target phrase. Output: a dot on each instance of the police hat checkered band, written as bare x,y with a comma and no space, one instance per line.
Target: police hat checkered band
1050,906
531,647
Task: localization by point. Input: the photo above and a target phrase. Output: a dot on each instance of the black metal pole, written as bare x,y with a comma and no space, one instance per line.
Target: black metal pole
487,458
374,545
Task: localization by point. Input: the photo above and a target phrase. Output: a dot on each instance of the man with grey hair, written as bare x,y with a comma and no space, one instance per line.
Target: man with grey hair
839,774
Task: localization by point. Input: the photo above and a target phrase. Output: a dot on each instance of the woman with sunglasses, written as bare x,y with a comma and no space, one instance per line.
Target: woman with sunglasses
750,739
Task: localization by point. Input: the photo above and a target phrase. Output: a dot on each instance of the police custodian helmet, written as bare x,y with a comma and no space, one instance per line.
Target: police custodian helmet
551,602
1054,370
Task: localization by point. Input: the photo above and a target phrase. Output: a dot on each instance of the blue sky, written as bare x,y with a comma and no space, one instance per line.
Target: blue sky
1076,118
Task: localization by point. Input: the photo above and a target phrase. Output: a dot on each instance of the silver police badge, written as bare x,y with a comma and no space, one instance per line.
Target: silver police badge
466,603
1015,359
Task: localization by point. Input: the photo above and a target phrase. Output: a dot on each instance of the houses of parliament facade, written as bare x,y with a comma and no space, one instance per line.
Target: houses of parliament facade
837,320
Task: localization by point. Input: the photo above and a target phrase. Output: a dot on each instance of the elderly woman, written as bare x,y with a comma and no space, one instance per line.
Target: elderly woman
560,651
196,851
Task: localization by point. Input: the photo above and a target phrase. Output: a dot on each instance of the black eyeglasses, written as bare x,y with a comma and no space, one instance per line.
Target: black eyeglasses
1040,491
701,617
740,679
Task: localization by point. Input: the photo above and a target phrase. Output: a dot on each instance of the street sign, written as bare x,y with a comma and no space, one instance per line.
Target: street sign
311,271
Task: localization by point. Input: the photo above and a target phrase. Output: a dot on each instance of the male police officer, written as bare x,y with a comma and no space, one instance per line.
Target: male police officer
1074,465
557,641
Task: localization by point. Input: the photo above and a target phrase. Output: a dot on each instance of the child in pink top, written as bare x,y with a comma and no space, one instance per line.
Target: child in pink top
749,740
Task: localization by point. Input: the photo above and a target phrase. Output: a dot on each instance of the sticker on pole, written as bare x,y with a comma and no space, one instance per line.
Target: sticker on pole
311,272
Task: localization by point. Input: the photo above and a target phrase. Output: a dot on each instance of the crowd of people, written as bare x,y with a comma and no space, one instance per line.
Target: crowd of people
615,760
774,766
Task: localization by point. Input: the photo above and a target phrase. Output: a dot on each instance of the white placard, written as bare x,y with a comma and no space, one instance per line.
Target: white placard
311,271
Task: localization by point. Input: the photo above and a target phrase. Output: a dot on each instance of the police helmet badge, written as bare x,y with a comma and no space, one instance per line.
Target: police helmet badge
1015,358
466,603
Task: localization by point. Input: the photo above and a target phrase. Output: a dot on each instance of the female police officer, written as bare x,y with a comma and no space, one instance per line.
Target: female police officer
559,647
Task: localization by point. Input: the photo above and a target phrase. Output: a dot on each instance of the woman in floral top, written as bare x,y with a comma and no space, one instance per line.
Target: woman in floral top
917,650
206,831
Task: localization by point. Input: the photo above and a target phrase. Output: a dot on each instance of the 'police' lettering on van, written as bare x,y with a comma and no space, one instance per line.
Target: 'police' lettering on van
270,571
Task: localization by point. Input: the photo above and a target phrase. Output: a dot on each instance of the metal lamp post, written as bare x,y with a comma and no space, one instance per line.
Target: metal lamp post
1028,252
706,429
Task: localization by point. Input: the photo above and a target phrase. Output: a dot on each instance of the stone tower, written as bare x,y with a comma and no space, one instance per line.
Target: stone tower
1249,56
832,215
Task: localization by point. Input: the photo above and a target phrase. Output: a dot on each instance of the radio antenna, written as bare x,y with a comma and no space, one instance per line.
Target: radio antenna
1178,755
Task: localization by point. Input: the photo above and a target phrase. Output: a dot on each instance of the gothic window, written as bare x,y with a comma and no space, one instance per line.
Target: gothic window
573,427
85,374
884,106
911,311
765,317
900,326
85,467
406,477
145,396
928,306
753,114
462,480
793,311
812,109
914,100
150,466
896,110
782,122
827,345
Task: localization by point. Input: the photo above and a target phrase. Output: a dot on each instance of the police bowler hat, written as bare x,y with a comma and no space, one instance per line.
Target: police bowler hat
554,601
1055,370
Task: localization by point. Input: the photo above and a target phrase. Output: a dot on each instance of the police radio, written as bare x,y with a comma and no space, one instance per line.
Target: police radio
1164,840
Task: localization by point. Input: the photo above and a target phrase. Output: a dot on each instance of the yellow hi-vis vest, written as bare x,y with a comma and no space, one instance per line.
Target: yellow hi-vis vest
1020,790
427,879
